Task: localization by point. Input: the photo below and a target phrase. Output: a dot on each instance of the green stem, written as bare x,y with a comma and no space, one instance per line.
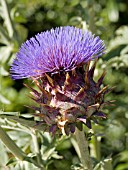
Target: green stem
84,152
15,149
11,145
97,147
36,146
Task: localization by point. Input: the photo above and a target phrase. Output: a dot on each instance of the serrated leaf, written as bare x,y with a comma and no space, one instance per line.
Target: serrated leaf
26,122
10,113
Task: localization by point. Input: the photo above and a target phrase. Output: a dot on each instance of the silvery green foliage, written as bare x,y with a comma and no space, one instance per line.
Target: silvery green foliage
44,15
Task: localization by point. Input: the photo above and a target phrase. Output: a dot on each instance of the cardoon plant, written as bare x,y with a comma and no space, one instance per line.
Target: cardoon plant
58,62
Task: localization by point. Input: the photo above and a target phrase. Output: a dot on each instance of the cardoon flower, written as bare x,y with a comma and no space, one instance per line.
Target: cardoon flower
58,62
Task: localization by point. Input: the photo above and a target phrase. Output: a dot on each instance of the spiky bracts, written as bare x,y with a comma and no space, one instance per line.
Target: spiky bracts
68,96
70,99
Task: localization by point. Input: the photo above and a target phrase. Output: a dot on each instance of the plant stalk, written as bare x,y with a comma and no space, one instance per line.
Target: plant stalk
11,145
36,146
97,147
83,147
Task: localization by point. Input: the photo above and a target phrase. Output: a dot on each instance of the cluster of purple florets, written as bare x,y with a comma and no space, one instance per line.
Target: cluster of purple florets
60,49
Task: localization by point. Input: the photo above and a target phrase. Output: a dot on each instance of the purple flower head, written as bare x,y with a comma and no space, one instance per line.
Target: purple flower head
60,49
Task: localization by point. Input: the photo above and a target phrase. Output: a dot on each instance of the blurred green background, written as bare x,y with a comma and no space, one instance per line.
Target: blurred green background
22,19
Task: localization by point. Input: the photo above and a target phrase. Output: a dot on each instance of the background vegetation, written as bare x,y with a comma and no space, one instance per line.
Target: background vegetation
22,19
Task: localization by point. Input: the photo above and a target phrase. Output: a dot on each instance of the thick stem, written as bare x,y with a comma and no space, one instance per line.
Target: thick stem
11,145
84,152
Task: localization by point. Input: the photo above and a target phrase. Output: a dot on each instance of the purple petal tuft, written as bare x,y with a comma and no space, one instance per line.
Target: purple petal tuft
60,49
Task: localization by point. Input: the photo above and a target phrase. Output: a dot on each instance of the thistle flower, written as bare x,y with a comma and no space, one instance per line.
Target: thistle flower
56,60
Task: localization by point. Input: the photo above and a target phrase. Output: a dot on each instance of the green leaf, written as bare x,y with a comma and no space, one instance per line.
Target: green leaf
124,156
106,164
3,72
3,152
10,113
74,2
122,166
5,53
12,161
4,100
48,153
22,33
17,17
4,38
113,12
26,122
